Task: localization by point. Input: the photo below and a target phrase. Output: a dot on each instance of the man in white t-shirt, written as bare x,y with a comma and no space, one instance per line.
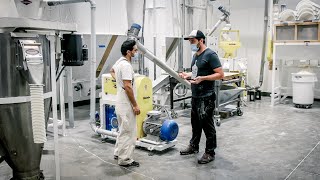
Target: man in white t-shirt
126,105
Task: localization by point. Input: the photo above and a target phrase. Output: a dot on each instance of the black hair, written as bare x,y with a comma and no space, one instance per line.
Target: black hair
127,45
204,40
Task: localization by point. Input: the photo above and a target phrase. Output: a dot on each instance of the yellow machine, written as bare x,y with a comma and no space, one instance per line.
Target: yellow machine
153,131
229,42
143,89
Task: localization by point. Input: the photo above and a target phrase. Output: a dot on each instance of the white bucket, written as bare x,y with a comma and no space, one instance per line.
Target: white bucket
303,87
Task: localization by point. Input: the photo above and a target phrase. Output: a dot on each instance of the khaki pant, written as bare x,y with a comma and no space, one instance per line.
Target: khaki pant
126,139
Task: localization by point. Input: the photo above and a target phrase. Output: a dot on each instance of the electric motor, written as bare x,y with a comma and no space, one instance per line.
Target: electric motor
166,130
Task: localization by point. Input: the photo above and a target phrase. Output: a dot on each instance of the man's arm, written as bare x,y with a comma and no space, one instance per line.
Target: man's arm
129,91
185,75
218,74
113,74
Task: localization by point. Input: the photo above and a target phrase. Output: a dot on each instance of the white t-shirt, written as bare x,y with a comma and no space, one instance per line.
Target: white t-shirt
123,71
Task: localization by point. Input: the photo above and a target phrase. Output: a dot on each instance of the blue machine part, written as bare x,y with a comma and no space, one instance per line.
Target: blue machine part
169,130
114,122
135,25
97,116
111,118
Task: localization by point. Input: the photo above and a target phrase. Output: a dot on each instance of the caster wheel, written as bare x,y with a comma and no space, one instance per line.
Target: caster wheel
218,121
239,112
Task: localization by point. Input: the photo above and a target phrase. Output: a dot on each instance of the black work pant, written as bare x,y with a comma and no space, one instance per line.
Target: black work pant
201,118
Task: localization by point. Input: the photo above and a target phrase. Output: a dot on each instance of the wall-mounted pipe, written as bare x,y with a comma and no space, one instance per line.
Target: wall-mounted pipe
264,45
182,28
93,49
141,62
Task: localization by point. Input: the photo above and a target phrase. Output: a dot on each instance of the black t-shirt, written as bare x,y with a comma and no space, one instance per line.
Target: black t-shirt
205,63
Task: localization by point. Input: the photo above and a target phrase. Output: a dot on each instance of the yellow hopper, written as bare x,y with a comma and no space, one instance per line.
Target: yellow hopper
229,41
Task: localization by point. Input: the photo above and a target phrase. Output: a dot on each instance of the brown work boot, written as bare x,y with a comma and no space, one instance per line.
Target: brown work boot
206,158
189,150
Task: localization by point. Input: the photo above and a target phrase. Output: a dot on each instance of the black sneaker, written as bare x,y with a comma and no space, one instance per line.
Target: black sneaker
134,163
206,158
189,150
115,157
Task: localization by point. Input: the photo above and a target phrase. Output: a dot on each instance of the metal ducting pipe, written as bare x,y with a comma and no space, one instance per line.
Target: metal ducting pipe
133,34
224,17
162,64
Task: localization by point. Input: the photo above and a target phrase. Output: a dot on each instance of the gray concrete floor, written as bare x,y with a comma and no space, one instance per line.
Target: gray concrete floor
265,143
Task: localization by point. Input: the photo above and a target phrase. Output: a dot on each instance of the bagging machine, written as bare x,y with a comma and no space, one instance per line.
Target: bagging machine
25,83
28,54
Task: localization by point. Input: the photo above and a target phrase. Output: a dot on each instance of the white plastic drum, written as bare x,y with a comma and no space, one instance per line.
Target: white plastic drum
303,88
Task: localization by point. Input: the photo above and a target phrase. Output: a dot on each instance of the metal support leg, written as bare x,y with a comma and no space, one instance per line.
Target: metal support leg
62,106
70,97
171,93
54,106
102,116
273,92
217,117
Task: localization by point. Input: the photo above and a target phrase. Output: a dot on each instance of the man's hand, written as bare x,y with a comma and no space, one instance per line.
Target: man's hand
184,75
196,80
136,110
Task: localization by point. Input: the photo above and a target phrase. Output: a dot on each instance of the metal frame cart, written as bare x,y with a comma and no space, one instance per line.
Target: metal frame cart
227,94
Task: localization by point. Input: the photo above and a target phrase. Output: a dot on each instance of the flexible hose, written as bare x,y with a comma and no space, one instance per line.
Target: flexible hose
37,113
176,88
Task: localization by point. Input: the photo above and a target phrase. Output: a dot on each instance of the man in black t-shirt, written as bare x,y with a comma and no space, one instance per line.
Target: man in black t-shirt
206,68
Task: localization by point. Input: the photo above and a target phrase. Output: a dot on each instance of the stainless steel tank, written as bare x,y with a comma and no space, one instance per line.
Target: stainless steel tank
16,137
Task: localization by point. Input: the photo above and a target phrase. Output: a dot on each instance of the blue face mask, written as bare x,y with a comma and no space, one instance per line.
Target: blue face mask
135,57
194,47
